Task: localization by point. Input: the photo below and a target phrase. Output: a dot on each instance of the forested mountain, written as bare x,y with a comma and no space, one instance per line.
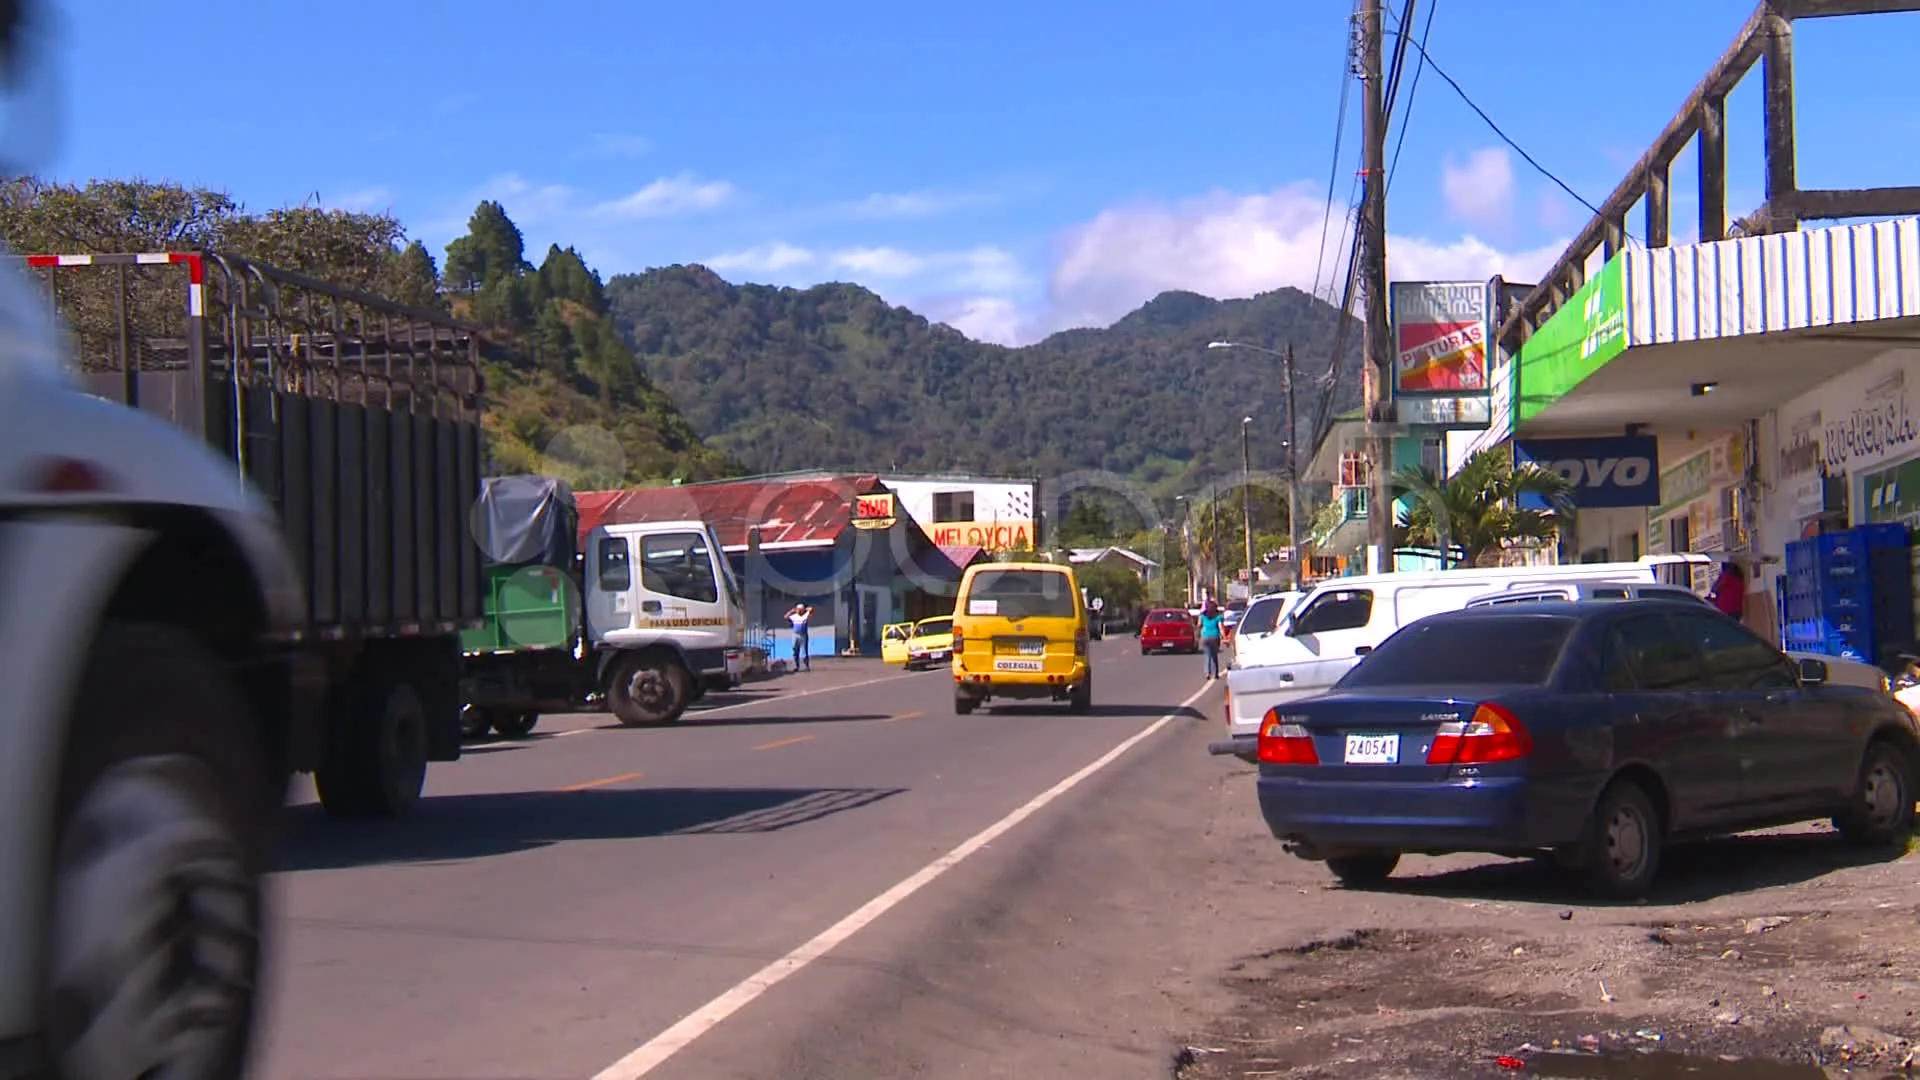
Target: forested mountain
833,376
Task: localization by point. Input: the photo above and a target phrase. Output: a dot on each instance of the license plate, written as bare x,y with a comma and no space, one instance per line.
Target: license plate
1016,665
1373,749
1032,648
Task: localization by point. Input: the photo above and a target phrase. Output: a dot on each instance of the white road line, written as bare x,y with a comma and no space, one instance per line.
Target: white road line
655,1052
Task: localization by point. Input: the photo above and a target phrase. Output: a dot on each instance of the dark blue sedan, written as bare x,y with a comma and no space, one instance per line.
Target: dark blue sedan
1598,732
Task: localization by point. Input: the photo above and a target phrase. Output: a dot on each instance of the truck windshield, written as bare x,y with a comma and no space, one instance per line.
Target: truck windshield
734,595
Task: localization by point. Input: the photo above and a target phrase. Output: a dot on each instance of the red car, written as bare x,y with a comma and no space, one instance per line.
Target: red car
1169,630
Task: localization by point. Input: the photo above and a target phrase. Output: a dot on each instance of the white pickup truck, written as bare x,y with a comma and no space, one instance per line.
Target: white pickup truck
1340,620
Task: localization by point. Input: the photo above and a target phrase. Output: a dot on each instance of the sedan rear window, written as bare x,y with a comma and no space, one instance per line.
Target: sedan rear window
1021,594
1167,616
1503,650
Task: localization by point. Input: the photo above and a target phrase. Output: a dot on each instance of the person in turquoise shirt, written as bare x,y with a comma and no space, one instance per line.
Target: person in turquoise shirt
1212,627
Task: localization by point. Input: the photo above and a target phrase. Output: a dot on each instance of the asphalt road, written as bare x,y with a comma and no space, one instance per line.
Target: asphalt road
558,904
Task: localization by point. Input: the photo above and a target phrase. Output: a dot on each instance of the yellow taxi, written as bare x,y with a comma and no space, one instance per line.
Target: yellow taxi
893,642
930,642
1020,633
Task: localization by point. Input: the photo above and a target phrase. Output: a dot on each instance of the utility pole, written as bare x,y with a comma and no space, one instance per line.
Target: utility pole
1371,232
1213,540
1293,475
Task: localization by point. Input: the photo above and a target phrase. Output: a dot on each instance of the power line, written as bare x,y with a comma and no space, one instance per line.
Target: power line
1333,176
1497,130
1412,90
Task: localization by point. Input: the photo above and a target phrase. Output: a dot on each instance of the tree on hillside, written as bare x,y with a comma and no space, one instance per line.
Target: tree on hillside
1479,509
1085,524
492,248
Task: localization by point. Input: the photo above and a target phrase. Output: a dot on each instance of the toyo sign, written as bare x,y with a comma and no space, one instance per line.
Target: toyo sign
1618,471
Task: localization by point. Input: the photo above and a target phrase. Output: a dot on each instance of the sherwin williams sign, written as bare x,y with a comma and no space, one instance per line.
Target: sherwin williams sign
1440,337
1576,342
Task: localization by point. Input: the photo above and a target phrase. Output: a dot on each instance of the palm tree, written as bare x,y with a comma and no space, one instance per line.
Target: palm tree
1471,515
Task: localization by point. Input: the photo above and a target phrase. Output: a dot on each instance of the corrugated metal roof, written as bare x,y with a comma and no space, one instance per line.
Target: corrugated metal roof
1840,275
788,512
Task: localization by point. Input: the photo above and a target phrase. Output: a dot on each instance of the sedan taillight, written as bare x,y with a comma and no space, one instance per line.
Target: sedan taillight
1285,741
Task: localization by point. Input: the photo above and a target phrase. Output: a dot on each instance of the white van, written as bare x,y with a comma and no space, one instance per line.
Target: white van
1334,624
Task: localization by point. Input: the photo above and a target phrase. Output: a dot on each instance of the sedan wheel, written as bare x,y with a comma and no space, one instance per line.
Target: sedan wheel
1625,843
1881,810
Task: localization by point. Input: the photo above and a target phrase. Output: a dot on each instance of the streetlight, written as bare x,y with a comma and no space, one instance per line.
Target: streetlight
1246,497
1293,433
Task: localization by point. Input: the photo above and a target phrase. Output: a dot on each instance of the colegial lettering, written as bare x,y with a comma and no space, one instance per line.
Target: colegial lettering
1627,472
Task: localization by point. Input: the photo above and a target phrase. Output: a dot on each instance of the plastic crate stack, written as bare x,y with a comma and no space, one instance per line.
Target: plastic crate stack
1849,594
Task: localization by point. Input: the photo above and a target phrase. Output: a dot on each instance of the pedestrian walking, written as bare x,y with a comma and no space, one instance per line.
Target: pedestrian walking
800,617
1212,628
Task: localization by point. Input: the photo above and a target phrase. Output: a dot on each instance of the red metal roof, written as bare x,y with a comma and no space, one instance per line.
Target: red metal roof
787,511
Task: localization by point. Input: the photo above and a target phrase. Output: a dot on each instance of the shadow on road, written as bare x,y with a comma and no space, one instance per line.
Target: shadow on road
692,719
475,826
1709,870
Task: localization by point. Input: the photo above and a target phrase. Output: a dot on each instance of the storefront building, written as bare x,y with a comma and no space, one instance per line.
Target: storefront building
998,514
1771,371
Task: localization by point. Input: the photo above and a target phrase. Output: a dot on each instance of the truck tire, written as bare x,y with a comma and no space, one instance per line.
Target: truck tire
648,690
168,807
377,761
515,725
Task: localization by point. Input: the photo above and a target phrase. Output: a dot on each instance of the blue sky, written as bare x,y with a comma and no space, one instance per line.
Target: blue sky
1011,168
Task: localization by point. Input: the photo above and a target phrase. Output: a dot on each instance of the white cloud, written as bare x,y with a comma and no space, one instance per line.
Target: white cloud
994,319
770,258
1479,190
622,145
985,268
670,196
364,200
913,204
1224,246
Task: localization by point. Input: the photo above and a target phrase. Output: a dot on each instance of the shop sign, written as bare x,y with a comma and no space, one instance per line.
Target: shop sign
1893,494
1003,535
1440,337
1686,481
875,511
1876,426
1445,410
1605,472
1800,475
1576,341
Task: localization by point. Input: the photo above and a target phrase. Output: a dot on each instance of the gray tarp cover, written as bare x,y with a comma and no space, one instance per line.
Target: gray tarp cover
526,519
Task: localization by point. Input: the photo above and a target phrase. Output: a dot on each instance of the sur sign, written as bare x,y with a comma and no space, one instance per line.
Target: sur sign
873,511
1616,471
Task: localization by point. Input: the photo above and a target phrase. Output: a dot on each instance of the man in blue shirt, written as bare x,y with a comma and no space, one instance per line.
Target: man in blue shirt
1212,627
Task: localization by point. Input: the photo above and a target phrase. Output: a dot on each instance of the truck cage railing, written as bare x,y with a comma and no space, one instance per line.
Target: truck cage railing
247,324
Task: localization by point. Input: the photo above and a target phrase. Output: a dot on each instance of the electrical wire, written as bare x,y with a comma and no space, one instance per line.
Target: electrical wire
1504,137
1333,175
1413,89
